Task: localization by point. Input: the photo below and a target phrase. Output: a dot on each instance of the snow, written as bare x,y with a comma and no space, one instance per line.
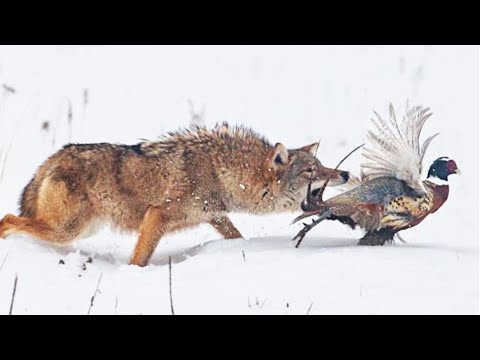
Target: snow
294,95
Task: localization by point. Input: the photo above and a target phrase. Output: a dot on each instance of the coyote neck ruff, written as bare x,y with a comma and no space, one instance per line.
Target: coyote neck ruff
185,179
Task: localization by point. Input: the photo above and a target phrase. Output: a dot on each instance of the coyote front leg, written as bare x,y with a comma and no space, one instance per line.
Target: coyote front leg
156,223
225,227
150,232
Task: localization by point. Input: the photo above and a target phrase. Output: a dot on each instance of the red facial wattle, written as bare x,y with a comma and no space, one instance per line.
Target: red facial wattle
452,167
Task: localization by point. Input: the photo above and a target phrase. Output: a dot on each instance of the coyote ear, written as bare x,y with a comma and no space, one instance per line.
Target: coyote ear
280,156
312,149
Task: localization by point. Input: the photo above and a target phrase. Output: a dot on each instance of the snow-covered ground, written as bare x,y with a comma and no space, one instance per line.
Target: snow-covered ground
293,95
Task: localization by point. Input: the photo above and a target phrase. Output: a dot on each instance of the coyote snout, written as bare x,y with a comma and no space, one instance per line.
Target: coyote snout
154,188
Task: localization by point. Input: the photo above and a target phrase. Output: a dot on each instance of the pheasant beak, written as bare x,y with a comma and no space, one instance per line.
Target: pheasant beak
458,172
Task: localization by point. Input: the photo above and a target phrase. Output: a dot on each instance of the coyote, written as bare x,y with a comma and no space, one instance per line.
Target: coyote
184,179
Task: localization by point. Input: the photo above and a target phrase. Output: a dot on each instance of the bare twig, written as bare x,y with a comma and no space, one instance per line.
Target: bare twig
309,308
257,303
9,88
5,159
69,119
263,303
13,295
85,97
170,283
3,262
86,100
92,300
244,257
197,118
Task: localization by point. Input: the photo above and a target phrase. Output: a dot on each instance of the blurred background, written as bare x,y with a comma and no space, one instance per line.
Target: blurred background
53,95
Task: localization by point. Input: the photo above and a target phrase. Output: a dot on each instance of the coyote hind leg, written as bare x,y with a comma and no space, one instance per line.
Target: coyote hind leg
60,216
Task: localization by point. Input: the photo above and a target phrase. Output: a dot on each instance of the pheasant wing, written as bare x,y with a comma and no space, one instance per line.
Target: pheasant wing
394,148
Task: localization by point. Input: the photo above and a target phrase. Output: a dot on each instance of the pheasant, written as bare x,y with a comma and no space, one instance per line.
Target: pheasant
390,196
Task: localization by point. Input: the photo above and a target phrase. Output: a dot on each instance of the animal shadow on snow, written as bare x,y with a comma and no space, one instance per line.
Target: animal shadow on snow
219,246
258,245
281,243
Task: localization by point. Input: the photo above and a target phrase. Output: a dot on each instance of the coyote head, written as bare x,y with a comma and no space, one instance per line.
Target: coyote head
294,170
